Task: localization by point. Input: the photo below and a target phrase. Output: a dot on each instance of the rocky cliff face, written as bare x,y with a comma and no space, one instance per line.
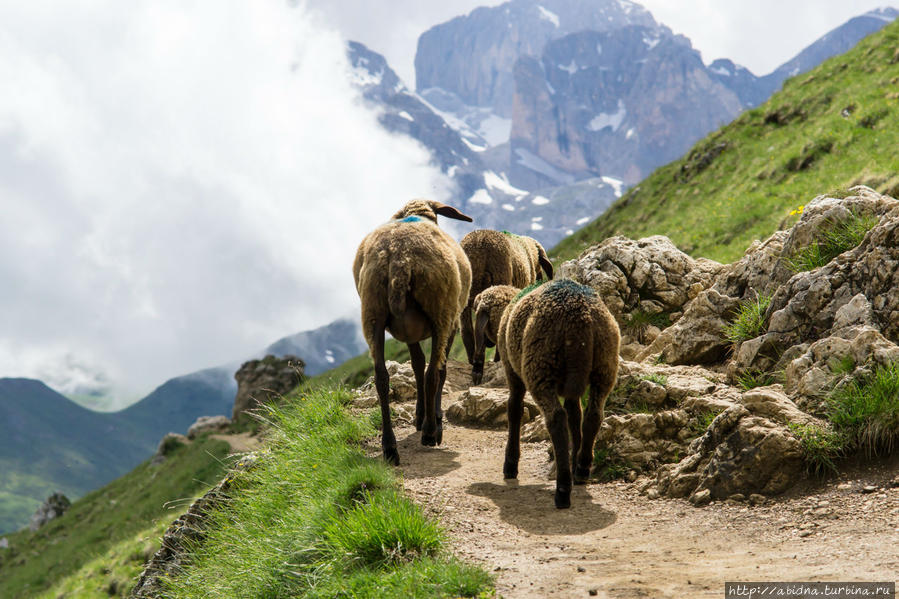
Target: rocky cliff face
618,103
473,56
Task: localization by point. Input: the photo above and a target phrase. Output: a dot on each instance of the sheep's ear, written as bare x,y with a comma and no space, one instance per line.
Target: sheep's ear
545,264
449,211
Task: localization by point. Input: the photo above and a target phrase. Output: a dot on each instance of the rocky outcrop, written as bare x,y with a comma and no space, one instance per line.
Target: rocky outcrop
185,532
54,507
822,328
479,406
266,380
208,424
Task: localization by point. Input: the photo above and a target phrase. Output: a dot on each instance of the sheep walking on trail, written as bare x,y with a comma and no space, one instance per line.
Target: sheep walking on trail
413,280
555,341
488,307
498,258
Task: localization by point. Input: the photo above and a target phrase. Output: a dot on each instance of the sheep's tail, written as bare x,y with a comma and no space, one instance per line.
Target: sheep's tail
578,362
399,282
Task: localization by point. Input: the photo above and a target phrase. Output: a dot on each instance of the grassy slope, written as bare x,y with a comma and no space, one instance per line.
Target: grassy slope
116,519
316,518
775,158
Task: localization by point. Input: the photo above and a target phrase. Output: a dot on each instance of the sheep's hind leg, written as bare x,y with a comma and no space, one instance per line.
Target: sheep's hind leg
382,385
417,358
573,410
557,423
449,345
429,430
599,391
514,410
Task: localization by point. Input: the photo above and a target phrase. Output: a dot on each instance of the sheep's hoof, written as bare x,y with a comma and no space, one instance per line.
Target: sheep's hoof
581,475
563,499
392,456
429,440
477,374
510,470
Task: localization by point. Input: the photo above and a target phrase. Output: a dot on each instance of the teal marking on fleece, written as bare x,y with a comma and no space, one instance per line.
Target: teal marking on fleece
566,287
410,219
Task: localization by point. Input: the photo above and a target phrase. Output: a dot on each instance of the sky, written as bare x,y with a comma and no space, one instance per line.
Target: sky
182,182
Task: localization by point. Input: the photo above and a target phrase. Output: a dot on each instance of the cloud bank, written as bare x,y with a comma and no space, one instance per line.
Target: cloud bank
181,183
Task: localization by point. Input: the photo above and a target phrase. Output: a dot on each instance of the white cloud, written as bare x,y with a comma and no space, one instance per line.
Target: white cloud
181,182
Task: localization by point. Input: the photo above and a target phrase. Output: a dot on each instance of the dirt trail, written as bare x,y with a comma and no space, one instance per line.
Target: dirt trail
613,542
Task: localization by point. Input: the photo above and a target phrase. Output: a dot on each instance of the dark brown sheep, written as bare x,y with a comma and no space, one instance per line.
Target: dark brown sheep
413,280
488,309
498,258
555,341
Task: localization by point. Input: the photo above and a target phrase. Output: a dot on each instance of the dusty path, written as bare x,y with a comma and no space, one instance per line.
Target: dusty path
613,542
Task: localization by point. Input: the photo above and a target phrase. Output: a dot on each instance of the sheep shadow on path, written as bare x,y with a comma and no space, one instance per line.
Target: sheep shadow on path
530,508
419,461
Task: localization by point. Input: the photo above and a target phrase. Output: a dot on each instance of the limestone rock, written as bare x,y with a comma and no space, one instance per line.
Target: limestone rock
487,407
264,381
208,424
54,507
169,443
645,440
650,274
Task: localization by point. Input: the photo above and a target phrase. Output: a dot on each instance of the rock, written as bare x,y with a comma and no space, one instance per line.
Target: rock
264,381
535,431
4,543
169,443
208,424
696,338
653,493
487,407
701,498
643,440
55,506
650,274
772,403
756,499
868,489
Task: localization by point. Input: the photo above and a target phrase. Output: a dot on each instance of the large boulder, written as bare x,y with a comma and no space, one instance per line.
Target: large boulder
483,407
208,424
265,381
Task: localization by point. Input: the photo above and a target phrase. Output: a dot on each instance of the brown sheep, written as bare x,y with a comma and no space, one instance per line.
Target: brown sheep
498,258
554,341
413,280
488,309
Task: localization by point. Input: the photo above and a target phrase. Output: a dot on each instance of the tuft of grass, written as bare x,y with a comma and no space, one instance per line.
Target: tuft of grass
749,321
833,240
840,366
701,422
866,410
821,447
639,320
755,378
608,465
317,518
658,379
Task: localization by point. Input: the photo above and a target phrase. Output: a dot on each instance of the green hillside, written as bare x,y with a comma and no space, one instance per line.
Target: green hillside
49,443
830,128
108,533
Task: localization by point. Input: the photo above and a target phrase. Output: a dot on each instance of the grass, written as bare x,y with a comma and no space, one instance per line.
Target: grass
755,378
769,160
866,410
639,320
608,465
658,379
821,447
749,321
701,422
316,518
86,537
833,240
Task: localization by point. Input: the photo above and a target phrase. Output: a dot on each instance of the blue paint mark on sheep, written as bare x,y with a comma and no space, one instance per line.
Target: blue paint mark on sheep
410,219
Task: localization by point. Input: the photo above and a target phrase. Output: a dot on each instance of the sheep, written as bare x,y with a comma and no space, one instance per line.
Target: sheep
498,258
488,308
413,280
555,341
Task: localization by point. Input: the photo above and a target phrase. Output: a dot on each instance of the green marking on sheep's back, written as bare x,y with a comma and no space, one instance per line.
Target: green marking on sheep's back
527,290
510,234
566,287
